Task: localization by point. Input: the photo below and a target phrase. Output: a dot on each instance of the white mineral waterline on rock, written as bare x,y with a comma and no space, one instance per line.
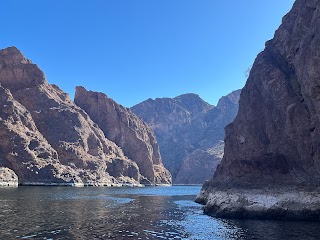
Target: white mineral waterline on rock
92,184
9,184
258,201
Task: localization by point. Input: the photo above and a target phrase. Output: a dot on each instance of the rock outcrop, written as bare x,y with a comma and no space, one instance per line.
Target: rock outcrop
190,133
8,178
129,132
22,147
274,142
47,139
199,165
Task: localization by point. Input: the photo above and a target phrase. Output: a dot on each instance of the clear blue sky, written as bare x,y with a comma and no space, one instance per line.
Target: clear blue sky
138,49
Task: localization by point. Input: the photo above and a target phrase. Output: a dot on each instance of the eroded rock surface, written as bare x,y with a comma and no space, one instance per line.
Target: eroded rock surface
189,132
276,203
123,127
47,139
199,165
23,148
274,142
8,178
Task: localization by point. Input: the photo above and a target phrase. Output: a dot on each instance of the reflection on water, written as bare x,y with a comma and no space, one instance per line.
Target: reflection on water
127,213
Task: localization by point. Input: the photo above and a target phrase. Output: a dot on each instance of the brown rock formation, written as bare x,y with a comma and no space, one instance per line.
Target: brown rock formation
189,132
274,142
123,127
8,178
22,147
199,165
54,141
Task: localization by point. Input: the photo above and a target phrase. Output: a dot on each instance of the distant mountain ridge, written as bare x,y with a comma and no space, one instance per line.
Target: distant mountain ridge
190,132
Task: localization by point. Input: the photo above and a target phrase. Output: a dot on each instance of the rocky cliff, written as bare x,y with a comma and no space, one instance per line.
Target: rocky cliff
123,127
190,133
271,166
22,147
47,139
8,178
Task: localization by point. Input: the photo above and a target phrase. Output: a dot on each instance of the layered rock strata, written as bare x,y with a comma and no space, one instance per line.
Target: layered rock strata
190,133
123,127
272,149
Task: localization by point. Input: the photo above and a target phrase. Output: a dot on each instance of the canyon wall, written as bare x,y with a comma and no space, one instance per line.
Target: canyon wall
190,133
47,139
272,148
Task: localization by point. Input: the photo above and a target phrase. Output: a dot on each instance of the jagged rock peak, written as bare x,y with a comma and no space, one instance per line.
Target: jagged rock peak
193,103
12,56
234,97
17,72
128,131
179,110
230,99
47,139
189,101
190,133
191,97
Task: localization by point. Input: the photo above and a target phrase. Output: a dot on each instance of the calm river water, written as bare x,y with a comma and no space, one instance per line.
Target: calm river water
127,213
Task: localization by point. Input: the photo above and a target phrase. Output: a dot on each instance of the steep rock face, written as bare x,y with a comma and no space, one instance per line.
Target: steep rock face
187,128
274,140
199,165
123,127
61,135
22,147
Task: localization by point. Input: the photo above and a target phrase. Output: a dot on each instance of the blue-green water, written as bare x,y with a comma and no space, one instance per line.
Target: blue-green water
128,213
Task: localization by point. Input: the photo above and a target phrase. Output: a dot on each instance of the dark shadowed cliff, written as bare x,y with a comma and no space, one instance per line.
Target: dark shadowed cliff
273,145
190,133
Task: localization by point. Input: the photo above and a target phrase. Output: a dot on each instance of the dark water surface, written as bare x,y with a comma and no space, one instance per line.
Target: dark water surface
127,213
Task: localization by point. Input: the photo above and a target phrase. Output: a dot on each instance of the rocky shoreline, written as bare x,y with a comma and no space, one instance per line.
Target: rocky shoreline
85,184
8,178
91,184
271,163
276,204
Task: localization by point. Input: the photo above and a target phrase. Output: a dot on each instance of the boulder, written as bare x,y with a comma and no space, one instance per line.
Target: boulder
8,178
